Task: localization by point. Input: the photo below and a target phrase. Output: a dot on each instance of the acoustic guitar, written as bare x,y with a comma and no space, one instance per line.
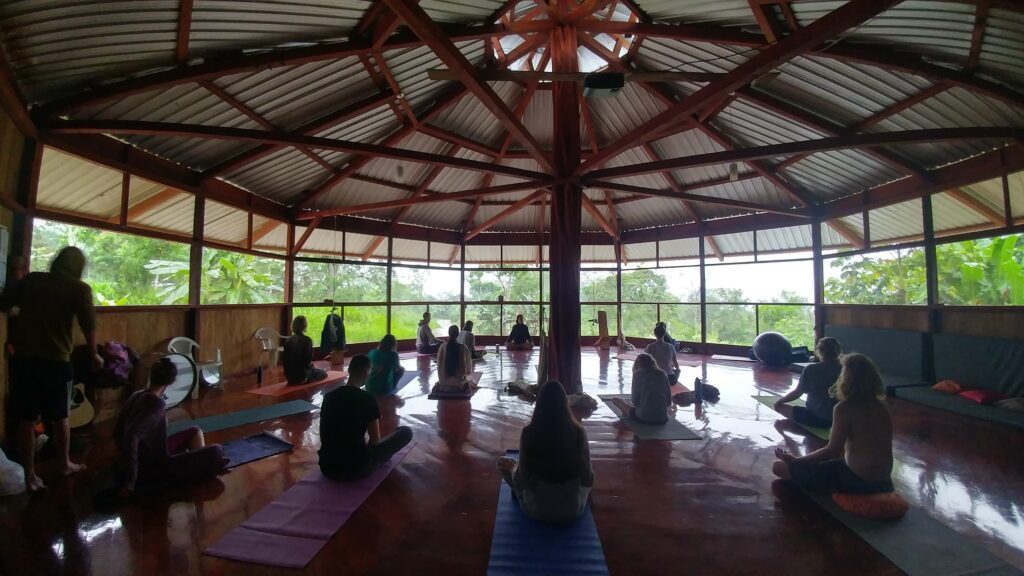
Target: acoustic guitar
81,412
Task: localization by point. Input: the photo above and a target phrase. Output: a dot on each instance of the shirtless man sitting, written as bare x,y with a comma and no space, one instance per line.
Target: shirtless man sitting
858,457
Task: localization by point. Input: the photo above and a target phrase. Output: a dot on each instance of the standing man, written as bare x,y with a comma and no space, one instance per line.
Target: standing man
46,304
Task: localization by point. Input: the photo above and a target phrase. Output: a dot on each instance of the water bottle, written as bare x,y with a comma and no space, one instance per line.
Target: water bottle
698,391
259,374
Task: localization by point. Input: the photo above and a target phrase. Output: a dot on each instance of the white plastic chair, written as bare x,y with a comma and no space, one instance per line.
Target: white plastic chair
270,343
209,370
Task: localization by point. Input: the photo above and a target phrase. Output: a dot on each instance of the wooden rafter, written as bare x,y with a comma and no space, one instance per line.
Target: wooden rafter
432,34
426,199
752,206
457,139
264,230
374,244
305,235
592,209
825,28
715,250
504,214
977,36
245,135
849,234
151,203
810,147
184,30
972,202
925,94
227,66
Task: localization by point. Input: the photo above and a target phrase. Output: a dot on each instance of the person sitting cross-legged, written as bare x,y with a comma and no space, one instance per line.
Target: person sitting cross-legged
297,357
351,445
149,457
664,354
858,457
425,341
553,477
519,337
467,339
454,364
816,380
650,393
385,367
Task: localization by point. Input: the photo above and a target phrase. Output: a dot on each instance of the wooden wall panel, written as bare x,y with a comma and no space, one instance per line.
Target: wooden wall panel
12,145
1002,323
231,329
888,317
144,330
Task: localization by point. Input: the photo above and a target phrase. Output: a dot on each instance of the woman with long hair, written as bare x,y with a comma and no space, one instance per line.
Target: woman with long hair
385,369
553,477
650,393
454,364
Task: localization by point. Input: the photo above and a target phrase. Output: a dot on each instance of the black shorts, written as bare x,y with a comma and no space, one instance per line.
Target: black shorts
833,476
40,388
808,418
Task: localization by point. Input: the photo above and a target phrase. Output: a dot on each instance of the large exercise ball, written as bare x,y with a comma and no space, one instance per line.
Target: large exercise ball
772,349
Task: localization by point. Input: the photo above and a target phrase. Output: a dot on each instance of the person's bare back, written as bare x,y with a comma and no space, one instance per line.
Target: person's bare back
867,427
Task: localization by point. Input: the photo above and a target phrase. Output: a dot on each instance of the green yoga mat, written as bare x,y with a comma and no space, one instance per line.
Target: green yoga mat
671,430
769,401
232,419
921,545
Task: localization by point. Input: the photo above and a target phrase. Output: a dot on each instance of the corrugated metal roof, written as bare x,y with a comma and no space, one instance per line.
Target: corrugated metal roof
950,215
681,249
174,214
652,212
724,12
728,244
220,25
690,56
1002,46
69,184
460,10
456,179
225,224
830,175
57,47
942,29
282,176
895,222
614,117
689,143
753,125
471,119
790,239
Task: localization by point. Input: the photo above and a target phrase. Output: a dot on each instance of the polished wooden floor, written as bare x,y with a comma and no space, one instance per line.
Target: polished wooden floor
697,507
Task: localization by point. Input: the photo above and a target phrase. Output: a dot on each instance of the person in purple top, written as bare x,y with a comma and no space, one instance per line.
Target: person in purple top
149,457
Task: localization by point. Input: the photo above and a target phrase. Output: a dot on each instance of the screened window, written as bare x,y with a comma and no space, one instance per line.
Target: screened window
985,272
236,278
889,277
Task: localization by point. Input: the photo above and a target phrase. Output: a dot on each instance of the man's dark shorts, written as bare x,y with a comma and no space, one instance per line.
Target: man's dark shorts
40,388
833,476
808,418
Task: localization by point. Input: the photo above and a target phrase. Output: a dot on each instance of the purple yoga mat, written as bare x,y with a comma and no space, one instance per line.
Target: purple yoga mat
290,531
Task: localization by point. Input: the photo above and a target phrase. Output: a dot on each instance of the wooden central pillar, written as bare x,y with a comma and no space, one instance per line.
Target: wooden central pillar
566,214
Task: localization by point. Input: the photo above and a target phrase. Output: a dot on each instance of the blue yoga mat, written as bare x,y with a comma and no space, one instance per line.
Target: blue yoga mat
252,448
523,546
232,419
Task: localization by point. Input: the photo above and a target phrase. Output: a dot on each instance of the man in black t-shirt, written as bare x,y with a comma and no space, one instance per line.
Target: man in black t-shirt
298,356
348,414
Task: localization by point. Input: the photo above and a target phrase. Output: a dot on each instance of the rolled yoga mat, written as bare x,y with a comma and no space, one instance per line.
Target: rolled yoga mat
232,419
920,545
633,355
727,358
252,448
290,531
769,401
522,546
333,377
671,430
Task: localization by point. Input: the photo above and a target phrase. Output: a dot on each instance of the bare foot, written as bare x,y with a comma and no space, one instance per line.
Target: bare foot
34,484
72,468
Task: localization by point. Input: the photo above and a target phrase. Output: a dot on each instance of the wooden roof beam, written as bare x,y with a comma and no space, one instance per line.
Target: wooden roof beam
977,36
810,147
715,250
265,229
305,235
210,68
432,34
849,234
906,104
184,31
504,214
754,207
975,204
245,135
457,139
592,209
152,202
426,199
825,28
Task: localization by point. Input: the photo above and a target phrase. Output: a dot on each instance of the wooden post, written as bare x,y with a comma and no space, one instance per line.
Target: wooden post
819,281
703,295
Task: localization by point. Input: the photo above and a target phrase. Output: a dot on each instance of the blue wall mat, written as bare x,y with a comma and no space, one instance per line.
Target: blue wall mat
232,419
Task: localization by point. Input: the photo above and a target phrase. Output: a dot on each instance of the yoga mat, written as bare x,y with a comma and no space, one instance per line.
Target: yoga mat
671,430
728,358
522,546
920,545
232,419
769,401
290,531
633,355
414,354
474,377
333,377
257,447
407,377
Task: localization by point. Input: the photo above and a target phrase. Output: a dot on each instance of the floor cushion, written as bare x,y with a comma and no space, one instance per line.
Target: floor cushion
983,397
876,506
